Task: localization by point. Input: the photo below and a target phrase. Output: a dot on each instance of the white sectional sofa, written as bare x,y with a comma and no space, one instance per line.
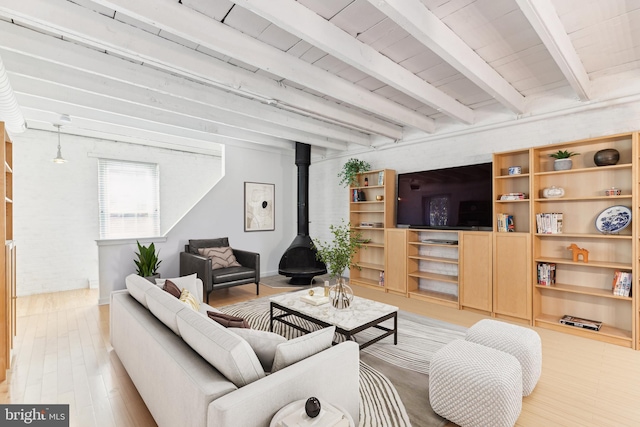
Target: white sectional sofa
169,351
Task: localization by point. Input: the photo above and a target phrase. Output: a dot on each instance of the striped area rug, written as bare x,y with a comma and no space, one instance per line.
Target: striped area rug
393,378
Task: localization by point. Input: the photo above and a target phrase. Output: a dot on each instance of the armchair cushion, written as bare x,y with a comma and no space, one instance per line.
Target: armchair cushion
231,274
221,257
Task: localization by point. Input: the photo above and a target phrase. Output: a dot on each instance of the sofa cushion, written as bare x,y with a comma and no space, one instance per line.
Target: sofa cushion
190,283
171,287
230,274
164,307
224,350
220,257
138,286
292,351
194,244
190,300
263,344
228,320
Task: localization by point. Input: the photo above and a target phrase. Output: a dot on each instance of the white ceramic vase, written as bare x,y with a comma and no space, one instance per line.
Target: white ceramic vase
562,164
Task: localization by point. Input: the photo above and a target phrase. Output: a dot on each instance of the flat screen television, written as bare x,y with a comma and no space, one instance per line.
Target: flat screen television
458,198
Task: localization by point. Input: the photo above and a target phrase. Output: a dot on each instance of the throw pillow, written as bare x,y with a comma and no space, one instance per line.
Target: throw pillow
263,343
224,350
221,257
189,283
171,287
302,347
228,320
189,299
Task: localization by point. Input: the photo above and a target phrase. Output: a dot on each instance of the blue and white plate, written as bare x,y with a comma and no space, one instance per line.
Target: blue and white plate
613,219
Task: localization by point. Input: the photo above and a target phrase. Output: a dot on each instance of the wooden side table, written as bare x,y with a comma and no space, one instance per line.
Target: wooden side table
293,415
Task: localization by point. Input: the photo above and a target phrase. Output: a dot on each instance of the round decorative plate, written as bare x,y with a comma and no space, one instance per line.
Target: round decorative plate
613,219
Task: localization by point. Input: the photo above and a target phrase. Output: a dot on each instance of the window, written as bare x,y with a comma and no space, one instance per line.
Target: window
129,199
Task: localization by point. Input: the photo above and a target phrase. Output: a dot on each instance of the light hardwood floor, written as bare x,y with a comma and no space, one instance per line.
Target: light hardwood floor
63,355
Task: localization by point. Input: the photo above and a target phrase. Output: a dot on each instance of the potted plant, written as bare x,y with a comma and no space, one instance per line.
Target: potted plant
563,160
349,171
147,262
338,255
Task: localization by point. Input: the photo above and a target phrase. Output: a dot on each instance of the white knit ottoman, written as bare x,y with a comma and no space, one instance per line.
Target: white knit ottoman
523,343
475,386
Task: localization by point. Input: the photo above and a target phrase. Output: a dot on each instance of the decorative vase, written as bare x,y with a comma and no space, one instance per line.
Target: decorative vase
341,294
552,192
606,157
562,164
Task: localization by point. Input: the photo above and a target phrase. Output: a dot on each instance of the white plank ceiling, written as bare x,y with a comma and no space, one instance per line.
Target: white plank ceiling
337,74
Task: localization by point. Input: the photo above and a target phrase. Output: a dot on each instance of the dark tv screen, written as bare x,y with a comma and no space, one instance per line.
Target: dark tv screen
456,198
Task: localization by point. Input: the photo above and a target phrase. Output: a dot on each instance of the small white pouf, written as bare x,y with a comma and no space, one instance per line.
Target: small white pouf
475,386
523,343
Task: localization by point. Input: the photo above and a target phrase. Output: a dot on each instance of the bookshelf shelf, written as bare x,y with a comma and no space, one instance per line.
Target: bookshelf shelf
584,289
435,259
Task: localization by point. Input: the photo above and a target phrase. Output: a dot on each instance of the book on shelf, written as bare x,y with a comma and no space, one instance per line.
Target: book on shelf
513,196
546,273
505,223
381,178
549,222
580,322
381,280
621,285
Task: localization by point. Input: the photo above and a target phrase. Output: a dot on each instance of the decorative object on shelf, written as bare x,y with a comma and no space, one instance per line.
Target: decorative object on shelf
259,207
613,219
350,170
312,407
563,160
606,157
361,196
379,198
552,192
515,170
147,262
381,178
338,255
578,252
613,191
366,182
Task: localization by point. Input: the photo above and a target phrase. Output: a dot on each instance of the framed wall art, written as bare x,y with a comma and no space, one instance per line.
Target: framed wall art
259,206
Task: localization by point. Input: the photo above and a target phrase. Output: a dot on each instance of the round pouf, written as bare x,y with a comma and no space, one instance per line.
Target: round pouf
523,343
475,386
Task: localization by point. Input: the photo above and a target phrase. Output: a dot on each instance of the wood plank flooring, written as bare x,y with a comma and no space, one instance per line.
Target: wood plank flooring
63,355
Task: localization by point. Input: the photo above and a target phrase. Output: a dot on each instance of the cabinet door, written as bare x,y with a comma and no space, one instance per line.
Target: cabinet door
476,282
512,275
396,263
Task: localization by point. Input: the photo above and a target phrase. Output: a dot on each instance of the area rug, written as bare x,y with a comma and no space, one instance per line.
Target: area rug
282,282
394,381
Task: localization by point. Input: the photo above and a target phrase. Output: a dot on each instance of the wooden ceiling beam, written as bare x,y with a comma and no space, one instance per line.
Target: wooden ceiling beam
545,21
417,20
90,28
184,22
295,18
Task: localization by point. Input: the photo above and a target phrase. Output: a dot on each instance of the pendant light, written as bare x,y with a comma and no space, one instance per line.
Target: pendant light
64,119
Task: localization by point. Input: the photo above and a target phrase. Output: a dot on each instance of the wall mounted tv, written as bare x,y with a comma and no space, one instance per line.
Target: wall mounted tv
458,198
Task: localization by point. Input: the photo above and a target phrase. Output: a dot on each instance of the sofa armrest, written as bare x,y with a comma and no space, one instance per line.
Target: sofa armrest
190,263
331,375
249,260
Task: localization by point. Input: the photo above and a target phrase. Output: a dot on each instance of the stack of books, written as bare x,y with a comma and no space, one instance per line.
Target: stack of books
513,196
546,274
505,223
622,283
549,223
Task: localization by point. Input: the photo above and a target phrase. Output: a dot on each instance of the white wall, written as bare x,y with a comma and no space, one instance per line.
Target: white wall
329,200
56,206
220,214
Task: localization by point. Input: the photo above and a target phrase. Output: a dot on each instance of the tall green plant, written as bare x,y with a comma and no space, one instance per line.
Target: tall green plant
338,254
147,261
349,171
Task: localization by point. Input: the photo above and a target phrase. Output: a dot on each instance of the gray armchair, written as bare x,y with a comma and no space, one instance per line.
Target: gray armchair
192,262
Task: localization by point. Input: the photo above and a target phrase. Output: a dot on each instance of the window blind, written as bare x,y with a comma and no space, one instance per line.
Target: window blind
129,198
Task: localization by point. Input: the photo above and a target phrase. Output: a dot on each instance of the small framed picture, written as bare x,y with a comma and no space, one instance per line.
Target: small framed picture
381,178
259,206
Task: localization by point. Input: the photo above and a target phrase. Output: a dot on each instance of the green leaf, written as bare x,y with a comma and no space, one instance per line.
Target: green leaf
339,253
349,171
147,262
